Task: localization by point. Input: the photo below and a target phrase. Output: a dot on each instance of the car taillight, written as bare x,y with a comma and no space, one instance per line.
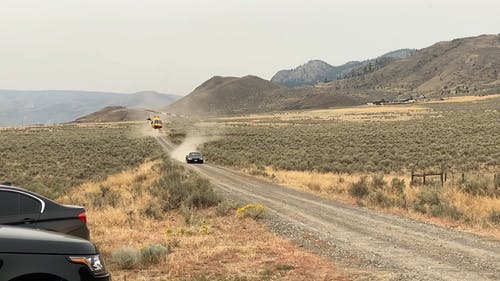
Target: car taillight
82,217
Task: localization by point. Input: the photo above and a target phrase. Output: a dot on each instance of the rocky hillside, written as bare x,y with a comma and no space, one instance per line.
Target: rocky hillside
312,72
316,71
461,66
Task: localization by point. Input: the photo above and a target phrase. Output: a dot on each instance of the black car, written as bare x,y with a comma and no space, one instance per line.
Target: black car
24,208
194,157
40,255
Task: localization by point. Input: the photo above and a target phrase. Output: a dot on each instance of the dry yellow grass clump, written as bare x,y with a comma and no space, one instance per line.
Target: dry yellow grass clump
474,210
210,246
357,113
464,99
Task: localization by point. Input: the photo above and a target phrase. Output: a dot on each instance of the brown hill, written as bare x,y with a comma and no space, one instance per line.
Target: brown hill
457,67
115,114
228,95
467,65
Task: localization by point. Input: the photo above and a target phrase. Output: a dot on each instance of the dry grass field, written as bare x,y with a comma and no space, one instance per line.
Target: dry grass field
365,155
201,243
53,159
151,219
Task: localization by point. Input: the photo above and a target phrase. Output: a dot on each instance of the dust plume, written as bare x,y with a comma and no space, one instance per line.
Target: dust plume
190,144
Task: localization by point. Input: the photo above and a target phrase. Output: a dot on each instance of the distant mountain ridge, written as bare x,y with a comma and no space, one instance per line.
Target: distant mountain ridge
316,71
115,114
458,67
461,66
45,107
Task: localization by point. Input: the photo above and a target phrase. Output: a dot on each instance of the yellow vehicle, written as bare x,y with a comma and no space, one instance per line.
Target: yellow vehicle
156,122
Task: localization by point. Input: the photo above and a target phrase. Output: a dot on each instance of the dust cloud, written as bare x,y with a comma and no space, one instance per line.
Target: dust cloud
190,144
147,131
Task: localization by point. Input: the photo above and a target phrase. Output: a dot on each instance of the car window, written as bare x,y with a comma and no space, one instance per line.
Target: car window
9,203
29,205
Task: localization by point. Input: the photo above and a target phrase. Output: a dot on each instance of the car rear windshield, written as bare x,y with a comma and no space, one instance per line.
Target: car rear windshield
194,154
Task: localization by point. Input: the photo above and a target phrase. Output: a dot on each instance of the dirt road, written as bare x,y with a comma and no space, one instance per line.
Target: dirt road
369,244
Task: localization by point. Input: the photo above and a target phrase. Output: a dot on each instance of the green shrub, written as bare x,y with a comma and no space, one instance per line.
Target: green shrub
378,197
398,185
224,207
126,257
154,253
359,189
201,193
177,187
480,186
431,201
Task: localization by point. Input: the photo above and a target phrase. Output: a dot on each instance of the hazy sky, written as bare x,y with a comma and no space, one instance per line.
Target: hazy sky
173,46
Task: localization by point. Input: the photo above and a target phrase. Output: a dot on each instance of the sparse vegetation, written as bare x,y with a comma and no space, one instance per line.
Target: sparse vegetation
154,254
359,189
126,257
454,136
52,159
177,188
364,158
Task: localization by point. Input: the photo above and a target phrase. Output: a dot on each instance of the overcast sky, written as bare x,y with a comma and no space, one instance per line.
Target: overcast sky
173,46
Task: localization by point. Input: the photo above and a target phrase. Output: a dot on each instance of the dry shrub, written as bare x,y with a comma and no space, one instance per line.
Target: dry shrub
378,197
494,217
154,254
126,257
314,186
359,189
431,201
254,211
378,181
104,197
225,207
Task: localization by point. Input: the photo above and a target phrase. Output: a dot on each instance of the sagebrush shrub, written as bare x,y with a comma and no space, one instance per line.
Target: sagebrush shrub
398,185
224,207
378,197
177,187
478,186
359,189
378,181
431,201
154,253
126,257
